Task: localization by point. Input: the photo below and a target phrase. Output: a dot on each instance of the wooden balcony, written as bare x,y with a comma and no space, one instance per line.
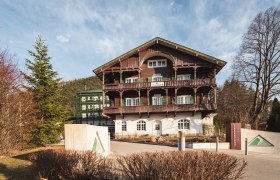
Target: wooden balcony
160,109
165,84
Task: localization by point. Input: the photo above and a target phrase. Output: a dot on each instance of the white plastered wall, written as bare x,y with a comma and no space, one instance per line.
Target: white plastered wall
169,125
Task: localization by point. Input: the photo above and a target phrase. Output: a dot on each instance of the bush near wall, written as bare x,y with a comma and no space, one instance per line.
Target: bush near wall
53,164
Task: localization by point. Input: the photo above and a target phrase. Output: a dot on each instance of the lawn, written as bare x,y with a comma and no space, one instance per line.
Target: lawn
19,166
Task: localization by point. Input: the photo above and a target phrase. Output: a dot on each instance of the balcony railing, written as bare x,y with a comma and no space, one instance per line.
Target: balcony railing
160,109
166,84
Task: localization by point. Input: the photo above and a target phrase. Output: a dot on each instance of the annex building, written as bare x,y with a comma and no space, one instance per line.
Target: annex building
160,87
89,108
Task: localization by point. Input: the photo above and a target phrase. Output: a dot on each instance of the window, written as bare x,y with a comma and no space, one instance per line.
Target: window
95,98
185,99
84,115
90,114
96,114
90,106
157,99
157,127
131,80
132,101
96,107
124,126
157,78
183,77
157,63
89,98
83,99
84,107
141,125
184,124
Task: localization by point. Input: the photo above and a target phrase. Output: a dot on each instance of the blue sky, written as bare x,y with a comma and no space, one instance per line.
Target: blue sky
83,35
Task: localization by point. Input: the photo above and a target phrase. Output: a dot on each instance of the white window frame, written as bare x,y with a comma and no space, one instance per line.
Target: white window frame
157,78
182,77
90,114
84,99
84,107
96,107
157,100
141,125
84,115
184,99
124,126
95,98
184,124
131,80
131,101
157,63
96,114
90,106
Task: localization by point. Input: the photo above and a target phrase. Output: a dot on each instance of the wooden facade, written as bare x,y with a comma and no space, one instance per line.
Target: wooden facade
198,83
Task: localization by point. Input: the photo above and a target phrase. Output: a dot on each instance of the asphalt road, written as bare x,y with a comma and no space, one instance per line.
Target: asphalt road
260,166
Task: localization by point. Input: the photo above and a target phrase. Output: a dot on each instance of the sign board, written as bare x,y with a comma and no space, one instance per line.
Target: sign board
156,84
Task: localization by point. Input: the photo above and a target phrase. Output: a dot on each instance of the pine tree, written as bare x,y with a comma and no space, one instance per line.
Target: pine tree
273,123
44,83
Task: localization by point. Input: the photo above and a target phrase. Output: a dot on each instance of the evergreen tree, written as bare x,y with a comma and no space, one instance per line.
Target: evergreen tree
273,123
44,83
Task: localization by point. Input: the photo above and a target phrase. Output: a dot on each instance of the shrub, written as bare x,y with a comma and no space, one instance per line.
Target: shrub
62,164
173,165
181,165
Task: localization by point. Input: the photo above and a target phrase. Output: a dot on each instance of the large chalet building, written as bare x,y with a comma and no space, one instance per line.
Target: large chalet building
161,88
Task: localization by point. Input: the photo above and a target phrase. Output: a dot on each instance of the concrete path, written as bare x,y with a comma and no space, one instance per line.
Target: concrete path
260,166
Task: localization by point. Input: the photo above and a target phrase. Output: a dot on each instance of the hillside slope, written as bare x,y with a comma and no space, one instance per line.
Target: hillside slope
70,88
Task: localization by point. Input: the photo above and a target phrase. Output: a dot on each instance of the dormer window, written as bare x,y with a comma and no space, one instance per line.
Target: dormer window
157,63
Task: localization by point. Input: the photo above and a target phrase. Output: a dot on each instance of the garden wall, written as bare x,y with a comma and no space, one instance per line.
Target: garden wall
83,137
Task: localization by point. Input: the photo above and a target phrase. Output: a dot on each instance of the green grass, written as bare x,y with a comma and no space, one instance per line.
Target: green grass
19,166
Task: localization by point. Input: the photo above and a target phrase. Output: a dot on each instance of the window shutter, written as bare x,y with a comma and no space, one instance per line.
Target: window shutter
123,102
164,100
173,100
191,99
141,101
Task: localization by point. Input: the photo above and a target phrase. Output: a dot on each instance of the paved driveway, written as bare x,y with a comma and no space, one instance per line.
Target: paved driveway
260,166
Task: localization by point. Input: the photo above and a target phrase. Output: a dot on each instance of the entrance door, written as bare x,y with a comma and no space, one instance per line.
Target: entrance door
157,129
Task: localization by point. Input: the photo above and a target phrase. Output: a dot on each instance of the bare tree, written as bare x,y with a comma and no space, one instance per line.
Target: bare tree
17,111
234,100
258,63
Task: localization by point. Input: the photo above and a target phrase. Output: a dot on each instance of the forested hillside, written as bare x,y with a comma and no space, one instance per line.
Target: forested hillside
70,88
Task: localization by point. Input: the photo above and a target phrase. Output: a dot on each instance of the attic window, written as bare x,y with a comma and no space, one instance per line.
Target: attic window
157,63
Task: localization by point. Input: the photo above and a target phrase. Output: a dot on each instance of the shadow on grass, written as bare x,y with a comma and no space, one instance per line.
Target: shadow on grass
20,172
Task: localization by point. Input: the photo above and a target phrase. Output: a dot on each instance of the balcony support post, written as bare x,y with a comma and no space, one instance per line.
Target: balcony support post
215,95
121,98
194,98
103,92
194,75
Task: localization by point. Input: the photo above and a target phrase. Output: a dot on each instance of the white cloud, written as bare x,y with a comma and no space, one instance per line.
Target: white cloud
63,39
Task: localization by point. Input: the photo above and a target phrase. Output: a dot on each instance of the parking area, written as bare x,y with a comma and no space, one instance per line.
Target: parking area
260,166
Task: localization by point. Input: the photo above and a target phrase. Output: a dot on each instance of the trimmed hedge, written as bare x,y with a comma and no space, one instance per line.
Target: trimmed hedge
193,165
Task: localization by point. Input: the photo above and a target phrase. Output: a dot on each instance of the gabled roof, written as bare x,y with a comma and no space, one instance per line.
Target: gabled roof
220,63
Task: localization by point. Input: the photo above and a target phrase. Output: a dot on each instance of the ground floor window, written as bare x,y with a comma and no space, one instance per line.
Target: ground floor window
141,125
124,126
184,124
157,127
